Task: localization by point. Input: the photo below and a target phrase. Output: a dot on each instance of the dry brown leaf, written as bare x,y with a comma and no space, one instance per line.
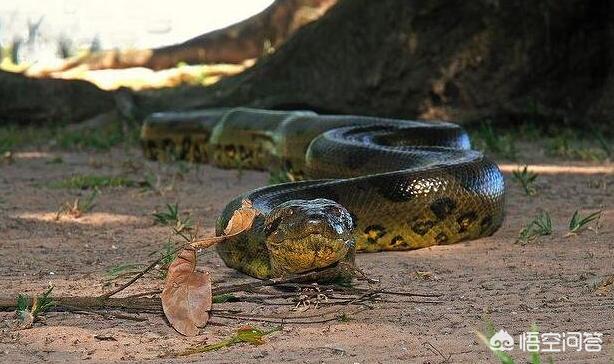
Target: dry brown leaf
186,298
241,220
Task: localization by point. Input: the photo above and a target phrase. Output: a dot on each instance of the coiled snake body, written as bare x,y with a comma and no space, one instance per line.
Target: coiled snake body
371,184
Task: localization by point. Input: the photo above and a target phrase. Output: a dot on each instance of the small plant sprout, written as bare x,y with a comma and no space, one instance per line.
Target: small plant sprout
122,269
526,179
171,217
541,225
169,253
579,223
79,207
41,304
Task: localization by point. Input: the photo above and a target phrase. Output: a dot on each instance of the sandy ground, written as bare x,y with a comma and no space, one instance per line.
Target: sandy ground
556,282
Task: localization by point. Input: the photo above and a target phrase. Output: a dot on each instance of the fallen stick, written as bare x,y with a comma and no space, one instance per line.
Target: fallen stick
69,303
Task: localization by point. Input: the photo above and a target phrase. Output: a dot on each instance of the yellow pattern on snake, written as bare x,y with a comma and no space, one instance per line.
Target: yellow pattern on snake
361,184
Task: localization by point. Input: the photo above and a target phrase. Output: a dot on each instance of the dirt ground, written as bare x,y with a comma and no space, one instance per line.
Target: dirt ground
558,283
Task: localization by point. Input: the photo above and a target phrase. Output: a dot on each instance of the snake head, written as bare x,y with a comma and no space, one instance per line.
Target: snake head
303,235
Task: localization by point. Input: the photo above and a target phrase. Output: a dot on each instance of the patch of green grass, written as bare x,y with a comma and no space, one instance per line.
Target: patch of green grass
41,304
169,253
172,217
344,318
541,225
604,144
12,137
501,144
98,139
579,223
526,180
569,145
226,297
63,137
246,334
122,269
85,182
79,207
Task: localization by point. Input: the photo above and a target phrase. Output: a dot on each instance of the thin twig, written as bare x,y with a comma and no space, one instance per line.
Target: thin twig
355,290
140,274
287,319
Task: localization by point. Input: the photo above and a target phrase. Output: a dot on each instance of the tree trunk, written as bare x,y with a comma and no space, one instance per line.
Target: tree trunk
433,59
27,100
245,40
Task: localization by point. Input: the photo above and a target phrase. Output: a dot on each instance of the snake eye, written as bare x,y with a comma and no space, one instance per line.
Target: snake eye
271,227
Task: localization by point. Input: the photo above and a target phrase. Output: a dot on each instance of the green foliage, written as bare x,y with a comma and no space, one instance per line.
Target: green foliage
246,334
172,217
226,297
85,182
169,253
526,180
122,269
88,204
500,144
578,223
569,145
605,146
541,225
344,318
12,137
96,138
63,137
23,301
79,207
41,304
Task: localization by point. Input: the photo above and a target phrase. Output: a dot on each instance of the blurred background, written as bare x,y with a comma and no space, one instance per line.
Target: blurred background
46,31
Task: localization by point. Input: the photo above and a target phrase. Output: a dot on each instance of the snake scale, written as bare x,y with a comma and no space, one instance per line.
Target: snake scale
360,183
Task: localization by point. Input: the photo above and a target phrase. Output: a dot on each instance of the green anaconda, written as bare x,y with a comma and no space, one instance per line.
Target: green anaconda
362,183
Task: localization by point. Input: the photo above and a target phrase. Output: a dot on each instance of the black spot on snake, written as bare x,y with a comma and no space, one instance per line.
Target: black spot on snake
230,150
443,207
398,240
374,232
421,227
272,226
465,220
441,238
329,193
485,223
354,220
185,148
391,190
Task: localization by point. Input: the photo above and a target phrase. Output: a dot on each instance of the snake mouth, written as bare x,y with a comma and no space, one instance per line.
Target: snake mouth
315,251
303,235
